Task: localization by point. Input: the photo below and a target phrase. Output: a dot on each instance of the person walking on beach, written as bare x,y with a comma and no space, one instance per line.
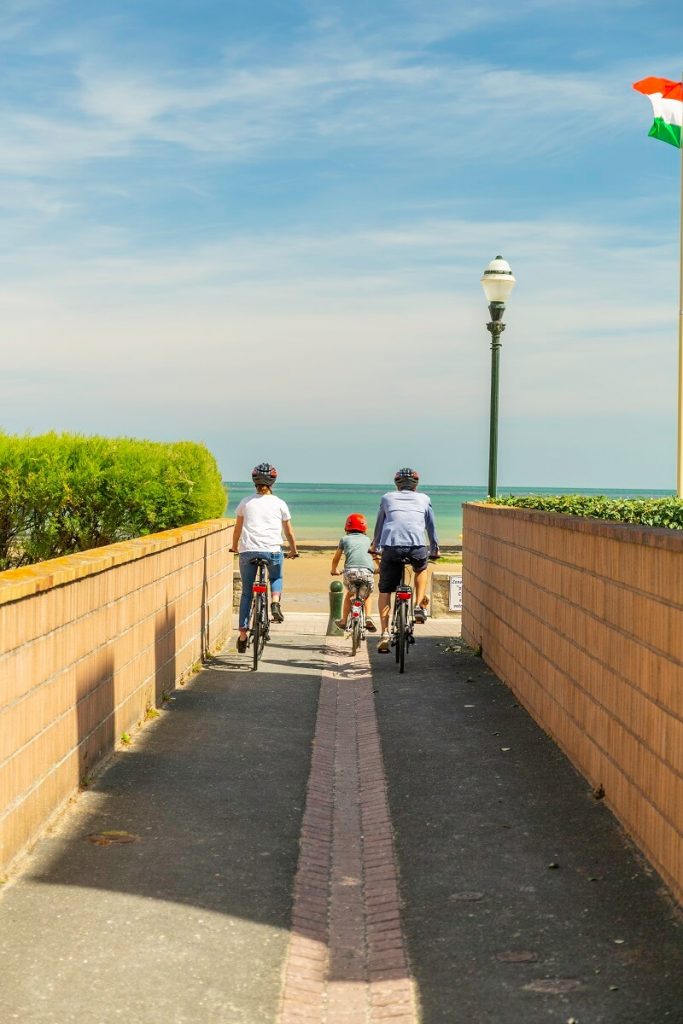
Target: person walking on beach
404,517
260,521
359,567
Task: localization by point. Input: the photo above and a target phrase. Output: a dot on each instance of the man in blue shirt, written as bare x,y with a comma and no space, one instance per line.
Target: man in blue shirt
404,516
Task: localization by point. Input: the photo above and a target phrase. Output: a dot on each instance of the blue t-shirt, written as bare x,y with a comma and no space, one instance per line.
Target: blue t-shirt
403,518
355,547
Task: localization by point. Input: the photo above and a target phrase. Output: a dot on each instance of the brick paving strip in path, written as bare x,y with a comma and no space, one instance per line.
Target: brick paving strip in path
347,961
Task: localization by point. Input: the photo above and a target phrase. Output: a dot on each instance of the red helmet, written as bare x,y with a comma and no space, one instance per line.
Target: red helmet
356,521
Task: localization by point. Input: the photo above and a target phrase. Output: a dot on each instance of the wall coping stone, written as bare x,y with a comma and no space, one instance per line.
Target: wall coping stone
629,533
16,584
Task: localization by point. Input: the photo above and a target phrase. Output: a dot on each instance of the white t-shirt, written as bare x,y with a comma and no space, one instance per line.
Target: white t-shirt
264,515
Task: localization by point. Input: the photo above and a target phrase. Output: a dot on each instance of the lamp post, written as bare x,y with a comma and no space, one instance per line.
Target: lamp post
497,282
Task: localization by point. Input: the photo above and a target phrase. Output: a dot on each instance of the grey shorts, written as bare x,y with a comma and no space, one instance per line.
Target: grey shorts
362,576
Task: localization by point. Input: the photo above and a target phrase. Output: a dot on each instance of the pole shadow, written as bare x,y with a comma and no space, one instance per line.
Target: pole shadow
164,654
94,712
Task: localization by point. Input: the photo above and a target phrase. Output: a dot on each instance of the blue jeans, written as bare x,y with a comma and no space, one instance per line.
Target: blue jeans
248,574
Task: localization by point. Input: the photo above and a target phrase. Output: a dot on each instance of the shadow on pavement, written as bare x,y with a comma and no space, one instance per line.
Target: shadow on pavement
213,794
523,900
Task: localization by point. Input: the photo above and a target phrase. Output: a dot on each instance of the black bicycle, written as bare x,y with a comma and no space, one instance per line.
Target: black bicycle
259,633
403,620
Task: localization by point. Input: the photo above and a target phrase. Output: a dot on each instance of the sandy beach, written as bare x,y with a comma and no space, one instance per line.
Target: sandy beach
307,578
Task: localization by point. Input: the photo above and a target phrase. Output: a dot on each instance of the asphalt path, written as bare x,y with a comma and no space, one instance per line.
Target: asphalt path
521,898
189,923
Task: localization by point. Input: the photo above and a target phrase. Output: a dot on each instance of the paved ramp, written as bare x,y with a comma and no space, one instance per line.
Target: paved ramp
327,841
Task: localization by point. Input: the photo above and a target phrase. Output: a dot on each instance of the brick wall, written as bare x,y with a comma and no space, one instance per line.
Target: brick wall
584,621
87,644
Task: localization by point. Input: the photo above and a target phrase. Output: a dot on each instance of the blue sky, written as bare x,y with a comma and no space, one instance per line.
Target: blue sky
262,225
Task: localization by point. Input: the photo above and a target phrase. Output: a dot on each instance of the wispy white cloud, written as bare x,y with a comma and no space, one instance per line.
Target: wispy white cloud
18,17
332,94
374,102
127,326
186,322
405,23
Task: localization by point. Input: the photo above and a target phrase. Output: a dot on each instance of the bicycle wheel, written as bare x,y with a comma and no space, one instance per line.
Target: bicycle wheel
355,636
265,622
394,631
256,630
410,622
401,636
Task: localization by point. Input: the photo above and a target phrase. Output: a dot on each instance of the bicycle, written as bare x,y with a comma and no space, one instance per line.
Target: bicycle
403,620
259,632
355,624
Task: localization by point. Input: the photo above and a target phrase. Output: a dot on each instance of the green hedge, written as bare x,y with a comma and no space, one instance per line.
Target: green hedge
61,493
666,512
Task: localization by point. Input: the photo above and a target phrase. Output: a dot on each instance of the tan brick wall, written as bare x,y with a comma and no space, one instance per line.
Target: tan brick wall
584,621
87,644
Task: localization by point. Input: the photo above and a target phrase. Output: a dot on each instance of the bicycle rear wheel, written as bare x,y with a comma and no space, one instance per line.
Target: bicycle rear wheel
401,636
355,636
410,634
258,631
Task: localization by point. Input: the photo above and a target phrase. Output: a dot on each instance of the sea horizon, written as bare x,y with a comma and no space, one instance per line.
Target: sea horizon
320,509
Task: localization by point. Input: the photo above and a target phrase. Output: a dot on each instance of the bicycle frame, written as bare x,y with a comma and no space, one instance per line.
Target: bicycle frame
403,620
259,633
355,624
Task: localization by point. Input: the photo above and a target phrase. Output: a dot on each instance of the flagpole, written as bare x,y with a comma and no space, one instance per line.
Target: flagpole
679,473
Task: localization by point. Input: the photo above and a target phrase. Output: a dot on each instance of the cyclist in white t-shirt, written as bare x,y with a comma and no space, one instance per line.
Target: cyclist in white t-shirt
260,521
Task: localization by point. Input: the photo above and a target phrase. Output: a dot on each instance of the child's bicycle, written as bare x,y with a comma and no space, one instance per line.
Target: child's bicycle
259,632
355,624
403,620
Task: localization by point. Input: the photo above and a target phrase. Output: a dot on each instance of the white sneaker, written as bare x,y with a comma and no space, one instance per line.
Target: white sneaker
384,644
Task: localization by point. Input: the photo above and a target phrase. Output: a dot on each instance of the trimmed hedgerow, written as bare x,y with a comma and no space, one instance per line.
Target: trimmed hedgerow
62,493
667,512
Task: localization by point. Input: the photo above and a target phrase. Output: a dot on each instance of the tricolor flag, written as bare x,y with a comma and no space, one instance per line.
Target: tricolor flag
667,102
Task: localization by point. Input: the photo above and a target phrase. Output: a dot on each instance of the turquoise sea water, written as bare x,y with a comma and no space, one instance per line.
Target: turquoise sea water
319,510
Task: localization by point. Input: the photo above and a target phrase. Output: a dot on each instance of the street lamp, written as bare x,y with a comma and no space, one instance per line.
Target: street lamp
497,282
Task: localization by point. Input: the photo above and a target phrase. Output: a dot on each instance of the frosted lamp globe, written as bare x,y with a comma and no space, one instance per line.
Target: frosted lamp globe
498,280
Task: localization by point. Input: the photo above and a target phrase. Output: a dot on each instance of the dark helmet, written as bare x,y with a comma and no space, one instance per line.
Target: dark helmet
264,475
406,479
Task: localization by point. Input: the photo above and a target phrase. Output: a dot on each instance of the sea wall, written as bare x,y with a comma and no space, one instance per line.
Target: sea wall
583,620
90,642
440,587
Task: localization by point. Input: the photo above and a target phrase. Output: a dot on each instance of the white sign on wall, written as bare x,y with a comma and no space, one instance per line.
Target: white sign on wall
455,593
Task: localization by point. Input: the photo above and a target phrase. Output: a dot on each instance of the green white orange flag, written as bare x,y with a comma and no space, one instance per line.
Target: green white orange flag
666,98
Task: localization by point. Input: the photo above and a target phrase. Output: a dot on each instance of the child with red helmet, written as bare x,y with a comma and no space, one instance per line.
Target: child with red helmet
359,567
